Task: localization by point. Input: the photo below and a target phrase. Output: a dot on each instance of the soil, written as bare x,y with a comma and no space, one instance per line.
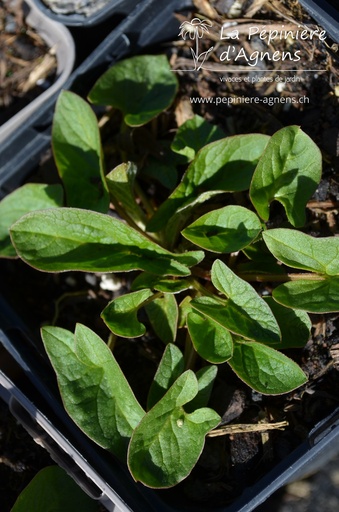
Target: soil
27,66
229,463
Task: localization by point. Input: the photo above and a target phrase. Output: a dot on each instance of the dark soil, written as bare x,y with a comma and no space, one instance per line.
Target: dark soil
229,463
27,66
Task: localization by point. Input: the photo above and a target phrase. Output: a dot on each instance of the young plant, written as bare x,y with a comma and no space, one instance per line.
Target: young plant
197,252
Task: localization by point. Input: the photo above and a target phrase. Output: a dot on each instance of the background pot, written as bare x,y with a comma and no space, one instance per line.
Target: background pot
58,37
88,14
326,13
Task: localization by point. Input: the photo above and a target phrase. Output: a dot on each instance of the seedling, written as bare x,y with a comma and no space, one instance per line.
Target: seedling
200,253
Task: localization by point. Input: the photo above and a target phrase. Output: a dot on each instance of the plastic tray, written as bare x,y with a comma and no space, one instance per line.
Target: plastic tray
326,14
56,36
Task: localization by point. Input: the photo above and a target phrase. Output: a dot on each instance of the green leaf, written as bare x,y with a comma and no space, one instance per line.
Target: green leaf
78,153
52,490
245,313
120,315
312,296
160,284
289,171
193,135
30,197
206,377
171,366
226,165
94,390
163,315
167,443
295,325
227,229
141,87
120,182
299,250
211,340
74,239
264,369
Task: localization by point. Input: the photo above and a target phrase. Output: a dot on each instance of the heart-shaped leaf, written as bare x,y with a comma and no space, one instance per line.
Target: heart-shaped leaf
171,366
78,153
193,135
120,315
264,369
167,443
73,239
288,171
211,340
27,198
94,390
227,229
299,250
312,296
163,315
245,313
141,87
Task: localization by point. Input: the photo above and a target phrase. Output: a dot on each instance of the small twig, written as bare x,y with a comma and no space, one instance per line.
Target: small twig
227,430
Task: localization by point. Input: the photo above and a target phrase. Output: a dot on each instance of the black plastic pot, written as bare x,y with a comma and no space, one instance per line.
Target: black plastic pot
326,13
27,381
81,19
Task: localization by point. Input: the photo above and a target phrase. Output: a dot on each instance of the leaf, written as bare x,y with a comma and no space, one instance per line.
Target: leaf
264,369
225,165
167,443
299,250
312,296
295,325
225,230
245,313
78,154
206,377
289,171
52,490
141,87
170,368
74,239
193,135
211,340
120,315
120,183
94,390
30,197
160,284
163,315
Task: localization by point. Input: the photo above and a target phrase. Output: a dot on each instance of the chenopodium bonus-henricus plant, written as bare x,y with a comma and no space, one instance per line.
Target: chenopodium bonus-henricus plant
197,253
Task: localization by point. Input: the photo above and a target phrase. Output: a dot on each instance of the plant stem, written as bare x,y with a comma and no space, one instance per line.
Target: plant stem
190,354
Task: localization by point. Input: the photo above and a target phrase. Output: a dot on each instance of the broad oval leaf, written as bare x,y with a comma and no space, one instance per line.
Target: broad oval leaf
206,377
141,87
299,250
245,313
167,443
312,296
28,198
78,154
161,284
225,165
94,390
295,325
120,315
171,366
227,229
288,171
163,314
73,239
210,339
53,490
264,369
194,134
